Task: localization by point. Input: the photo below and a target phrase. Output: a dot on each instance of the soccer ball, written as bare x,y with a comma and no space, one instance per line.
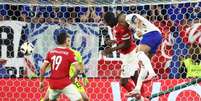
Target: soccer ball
27,48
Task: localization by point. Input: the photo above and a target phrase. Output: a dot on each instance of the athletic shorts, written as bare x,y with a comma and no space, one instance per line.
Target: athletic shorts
153,39
79,87
70,91
130,64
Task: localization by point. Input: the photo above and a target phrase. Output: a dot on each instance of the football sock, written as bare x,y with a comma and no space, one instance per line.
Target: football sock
141,77
129,86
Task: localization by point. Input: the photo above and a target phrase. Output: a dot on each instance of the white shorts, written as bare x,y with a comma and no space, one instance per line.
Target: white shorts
130,64
70,91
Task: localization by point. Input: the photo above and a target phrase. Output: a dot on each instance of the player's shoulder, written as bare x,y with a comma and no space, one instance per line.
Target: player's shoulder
133,16
130,16
51,50
65,49
72,51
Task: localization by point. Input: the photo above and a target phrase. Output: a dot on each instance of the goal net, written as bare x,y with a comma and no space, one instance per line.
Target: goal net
177,61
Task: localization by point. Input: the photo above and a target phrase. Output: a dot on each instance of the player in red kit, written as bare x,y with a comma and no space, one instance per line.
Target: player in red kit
149,40
60,59
126,48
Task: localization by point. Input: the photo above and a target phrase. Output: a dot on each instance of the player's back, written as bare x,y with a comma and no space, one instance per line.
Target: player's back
60,59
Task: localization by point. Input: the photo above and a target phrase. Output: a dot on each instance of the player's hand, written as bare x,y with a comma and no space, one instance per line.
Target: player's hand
85,81
3,61
41,86
110,42
107,51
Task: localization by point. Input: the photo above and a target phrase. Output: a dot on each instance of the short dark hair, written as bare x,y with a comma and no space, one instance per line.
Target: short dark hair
60,38
110,19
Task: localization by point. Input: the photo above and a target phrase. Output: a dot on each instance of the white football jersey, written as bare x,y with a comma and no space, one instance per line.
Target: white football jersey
147,26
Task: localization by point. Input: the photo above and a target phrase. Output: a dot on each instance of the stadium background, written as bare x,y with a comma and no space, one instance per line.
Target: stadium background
37,22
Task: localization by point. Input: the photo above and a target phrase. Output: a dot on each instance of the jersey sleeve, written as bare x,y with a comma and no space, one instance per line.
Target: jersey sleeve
47,58
124,33
73,58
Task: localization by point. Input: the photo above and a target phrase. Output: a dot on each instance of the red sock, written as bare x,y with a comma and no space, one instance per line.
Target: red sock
129,86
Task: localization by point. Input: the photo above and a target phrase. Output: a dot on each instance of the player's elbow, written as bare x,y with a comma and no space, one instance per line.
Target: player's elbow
126,45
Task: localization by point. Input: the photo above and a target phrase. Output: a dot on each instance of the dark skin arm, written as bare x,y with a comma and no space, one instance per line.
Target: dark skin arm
3,61
109,50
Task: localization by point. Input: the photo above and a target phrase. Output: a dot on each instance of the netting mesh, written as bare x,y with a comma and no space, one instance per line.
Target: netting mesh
177,60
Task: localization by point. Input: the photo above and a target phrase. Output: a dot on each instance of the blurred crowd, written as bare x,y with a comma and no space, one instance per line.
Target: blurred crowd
170,18
60,14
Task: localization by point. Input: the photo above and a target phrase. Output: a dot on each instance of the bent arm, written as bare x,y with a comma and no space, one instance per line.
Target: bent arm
125,44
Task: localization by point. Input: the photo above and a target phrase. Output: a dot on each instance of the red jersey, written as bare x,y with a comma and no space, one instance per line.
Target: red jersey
60,59
122,33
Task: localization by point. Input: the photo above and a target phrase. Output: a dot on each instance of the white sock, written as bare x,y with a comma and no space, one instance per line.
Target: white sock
146,61
141,77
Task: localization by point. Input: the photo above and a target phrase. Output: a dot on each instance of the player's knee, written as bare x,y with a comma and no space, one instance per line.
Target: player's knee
145,48
123,81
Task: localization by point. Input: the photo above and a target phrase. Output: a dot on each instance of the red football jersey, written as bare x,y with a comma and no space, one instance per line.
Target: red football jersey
122,33
60,59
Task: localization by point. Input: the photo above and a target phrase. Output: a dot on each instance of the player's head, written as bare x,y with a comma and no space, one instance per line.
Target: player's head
110,19
61,38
